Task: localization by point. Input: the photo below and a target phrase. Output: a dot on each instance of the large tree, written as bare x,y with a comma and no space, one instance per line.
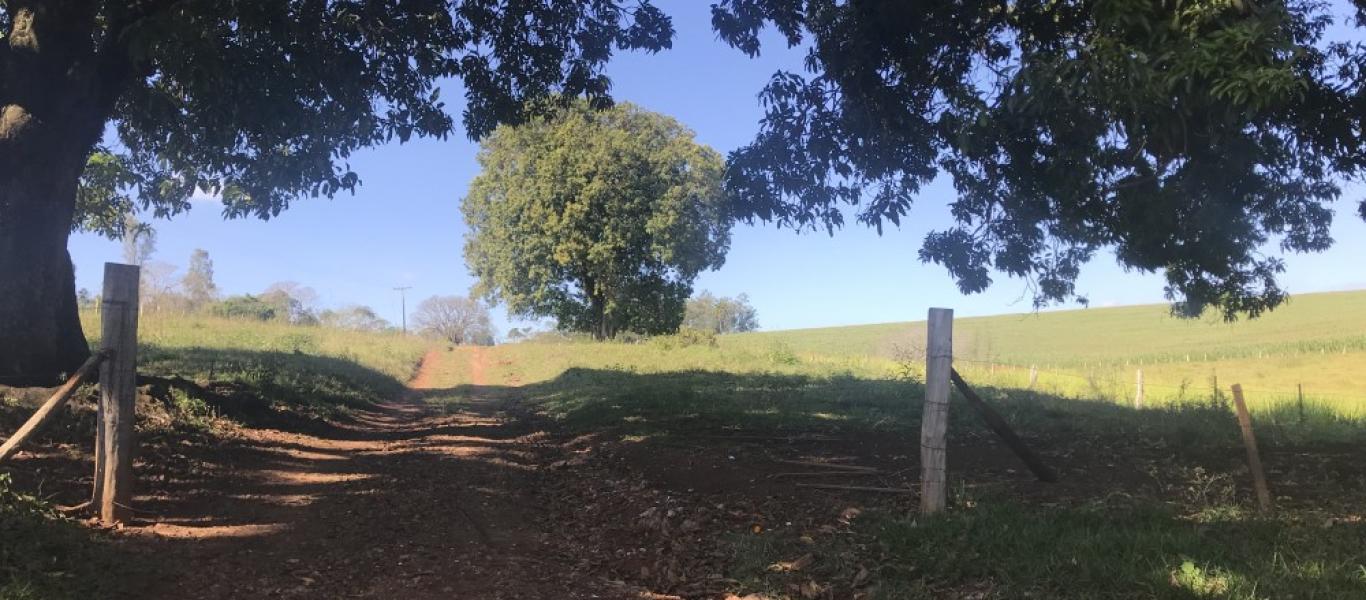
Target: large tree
599,219
257,102
1182,136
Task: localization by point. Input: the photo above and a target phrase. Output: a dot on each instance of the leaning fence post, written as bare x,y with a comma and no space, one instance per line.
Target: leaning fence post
55,403
998,425
118,393
1254,459
1138,390
934,421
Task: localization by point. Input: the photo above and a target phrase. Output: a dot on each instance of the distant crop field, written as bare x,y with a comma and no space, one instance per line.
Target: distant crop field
1317,341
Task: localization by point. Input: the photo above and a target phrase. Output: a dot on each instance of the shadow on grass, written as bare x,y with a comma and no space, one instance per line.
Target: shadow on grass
1153,503
1000,548
290,390
679,402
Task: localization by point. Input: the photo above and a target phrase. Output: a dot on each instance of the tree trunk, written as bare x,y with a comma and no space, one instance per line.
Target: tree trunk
56,93
40,329
599,318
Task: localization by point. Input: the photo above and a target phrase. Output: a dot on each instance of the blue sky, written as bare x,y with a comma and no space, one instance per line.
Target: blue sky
403,226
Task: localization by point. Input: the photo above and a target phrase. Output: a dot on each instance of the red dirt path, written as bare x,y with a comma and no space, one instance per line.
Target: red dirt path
403,502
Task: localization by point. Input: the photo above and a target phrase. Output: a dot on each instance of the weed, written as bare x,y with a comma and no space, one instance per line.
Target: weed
779,353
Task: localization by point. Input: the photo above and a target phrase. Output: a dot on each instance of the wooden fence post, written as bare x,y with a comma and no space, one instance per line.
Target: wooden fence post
934,421
1254,458
1138,390
118,394
1033,376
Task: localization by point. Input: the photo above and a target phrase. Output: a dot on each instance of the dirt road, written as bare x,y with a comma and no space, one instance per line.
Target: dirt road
405,501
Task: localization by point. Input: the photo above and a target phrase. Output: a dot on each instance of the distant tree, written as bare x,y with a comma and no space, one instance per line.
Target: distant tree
1182,137
354,318
293,300
599,219
198,284
139,240
455,319
85,299
259,102
157,287
706,312
516,334
245,306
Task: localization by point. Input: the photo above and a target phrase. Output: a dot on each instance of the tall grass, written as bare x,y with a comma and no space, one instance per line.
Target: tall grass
162,335
315,371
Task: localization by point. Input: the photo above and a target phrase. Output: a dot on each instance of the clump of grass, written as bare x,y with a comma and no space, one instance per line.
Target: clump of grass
779,353
44,556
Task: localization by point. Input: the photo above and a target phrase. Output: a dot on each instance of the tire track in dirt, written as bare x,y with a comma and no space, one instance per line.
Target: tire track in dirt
425,371
479,363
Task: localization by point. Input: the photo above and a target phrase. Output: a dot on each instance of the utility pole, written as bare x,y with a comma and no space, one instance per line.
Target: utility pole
403,303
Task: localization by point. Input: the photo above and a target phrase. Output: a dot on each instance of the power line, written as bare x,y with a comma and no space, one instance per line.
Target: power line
403,304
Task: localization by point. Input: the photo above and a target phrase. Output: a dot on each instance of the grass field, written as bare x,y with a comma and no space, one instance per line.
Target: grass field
1317,341
1154,502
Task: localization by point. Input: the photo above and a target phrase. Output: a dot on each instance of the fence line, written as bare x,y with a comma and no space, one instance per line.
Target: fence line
1034,370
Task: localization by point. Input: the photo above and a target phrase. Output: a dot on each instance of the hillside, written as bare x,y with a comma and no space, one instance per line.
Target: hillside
1317,340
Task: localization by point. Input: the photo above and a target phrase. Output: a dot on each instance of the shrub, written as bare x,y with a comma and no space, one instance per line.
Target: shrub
686,336
245,306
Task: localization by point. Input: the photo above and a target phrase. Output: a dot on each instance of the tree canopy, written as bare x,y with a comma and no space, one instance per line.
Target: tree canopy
1183,136
256,103
599,219
262,102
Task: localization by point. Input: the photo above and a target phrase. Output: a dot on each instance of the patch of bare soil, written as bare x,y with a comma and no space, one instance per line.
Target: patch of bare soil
403,501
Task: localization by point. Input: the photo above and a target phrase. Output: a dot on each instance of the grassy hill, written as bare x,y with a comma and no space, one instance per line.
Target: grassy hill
1316,340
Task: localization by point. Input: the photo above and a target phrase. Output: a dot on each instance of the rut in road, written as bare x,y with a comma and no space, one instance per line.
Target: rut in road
409,500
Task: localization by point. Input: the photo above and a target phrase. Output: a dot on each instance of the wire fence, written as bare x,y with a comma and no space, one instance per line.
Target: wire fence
1118,385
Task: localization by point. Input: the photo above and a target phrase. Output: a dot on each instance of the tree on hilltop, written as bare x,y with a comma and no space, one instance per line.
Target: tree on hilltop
293,301
257,103
354,318
599,219
707,312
